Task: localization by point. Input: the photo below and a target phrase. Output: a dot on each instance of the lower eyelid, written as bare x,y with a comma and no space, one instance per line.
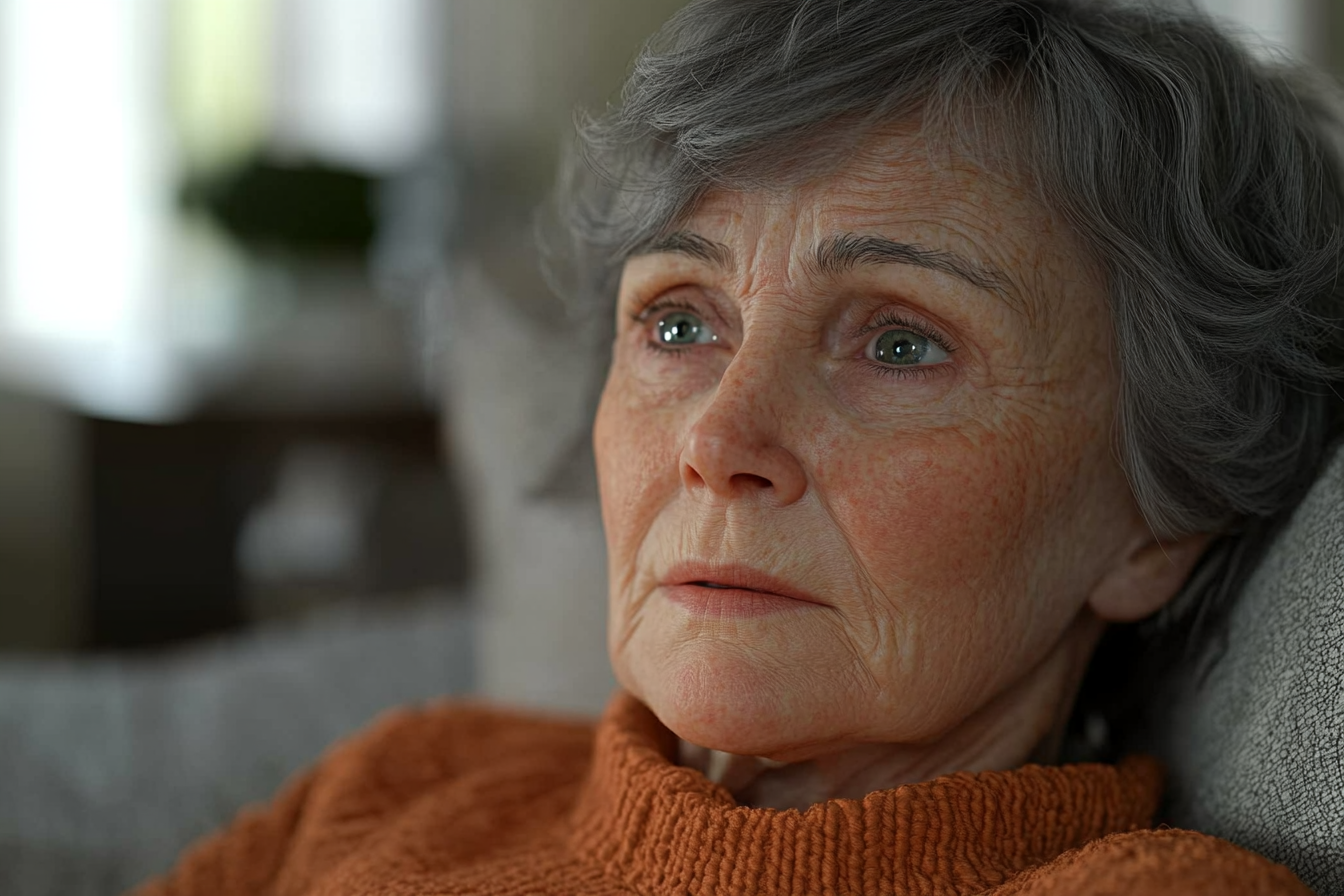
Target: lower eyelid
658,348
914,372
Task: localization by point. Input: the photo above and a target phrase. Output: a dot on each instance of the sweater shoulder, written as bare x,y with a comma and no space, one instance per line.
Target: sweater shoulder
1162,862
392,791
407,750
466,731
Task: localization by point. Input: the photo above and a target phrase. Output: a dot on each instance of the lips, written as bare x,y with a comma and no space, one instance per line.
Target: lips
735,578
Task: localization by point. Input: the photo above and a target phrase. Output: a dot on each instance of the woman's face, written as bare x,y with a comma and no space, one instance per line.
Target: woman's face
855,456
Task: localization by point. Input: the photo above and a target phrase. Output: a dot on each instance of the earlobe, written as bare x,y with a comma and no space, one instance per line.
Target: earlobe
1146,578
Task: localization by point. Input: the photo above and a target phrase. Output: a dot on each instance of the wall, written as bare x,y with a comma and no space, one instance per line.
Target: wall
41,575
515,396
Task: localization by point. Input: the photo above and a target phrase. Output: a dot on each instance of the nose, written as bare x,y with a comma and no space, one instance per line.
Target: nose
734,449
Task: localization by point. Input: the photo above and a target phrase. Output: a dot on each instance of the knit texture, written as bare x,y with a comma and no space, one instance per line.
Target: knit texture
469,800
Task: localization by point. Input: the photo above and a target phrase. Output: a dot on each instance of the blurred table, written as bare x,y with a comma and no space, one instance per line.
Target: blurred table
162,503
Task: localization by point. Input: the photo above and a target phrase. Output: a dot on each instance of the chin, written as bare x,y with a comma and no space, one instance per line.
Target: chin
732,704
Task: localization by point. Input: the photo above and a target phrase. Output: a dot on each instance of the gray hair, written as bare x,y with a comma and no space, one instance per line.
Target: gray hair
1205,182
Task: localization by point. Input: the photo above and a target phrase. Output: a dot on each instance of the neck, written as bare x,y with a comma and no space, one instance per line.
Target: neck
1022,725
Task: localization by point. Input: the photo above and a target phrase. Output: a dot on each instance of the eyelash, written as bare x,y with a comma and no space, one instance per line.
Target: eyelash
888,320
885,321
648,311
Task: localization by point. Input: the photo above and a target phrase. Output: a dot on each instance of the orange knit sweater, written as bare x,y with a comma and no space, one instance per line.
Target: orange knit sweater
460,799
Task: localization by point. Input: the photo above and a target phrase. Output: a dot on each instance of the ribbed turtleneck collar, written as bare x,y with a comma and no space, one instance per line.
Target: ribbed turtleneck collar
663,829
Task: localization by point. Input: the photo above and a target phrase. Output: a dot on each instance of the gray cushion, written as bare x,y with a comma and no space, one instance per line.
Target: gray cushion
1254,746
110,767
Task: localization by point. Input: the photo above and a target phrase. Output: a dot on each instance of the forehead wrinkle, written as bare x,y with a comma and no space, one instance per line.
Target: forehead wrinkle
903,183
842,222
950,235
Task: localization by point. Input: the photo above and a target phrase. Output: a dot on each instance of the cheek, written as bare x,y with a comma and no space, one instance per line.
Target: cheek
636,458
943,522
917,490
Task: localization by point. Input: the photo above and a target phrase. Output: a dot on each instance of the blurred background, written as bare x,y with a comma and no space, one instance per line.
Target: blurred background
291,430
230,235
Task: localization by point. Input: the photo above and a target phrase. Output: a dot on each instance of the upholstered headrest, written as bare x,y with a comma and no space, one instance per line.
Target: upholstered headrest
1255,744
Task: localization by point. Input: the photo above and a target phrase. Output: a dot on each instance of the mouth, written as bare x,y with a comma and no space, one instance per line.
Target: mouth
733,590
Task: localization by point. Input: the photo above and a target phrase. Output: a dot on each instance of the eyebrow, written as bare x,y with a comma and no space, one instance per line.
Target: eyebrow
684,242
843,253
839,254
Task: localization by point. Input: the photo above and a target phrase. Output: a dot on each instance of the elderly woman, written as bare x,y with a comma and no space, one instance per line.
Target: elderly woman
947,334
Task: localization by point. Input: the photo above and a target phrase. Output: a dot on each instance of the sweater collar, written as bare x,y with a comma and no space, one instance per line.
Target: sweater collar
661,829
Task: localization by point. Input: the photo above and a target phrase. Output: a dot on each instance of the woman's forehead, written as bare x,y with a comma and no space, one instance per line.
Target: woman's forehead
890,179
899,188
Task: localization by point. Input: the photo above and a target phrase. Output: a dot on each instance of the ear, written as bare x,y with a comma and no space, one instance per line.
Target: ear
1146,577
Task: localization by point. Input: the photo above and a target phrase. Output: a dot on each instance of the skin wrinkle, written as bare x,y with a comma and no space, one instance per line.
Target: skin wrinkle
840,254
882,628
965,527
972,208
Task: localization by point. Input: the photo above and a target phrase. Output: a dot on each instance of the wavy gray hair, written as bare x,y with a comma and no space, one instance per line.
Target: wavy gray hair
1206,184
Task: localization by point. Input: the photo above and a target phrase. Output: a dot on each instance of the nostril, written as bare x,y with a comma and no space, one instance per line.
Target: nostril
751,480
736,454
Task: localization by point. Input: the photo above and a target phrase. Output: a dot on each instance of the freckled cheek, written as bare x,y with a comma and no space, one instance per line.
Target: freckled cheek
934,513
636,451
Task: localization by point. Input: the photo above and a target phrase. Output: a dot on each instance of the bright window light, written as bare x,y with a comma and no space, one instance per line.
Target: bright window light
1281,23
83,188
358,82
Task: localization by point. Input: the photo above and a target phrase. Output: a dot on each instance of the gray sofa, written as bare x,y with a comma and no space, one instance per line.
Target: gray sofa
108,768
1254,746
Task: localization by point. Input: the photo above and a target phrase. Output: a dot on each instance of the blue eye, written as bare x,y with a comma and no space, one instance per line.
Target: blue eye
905,348
681,328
